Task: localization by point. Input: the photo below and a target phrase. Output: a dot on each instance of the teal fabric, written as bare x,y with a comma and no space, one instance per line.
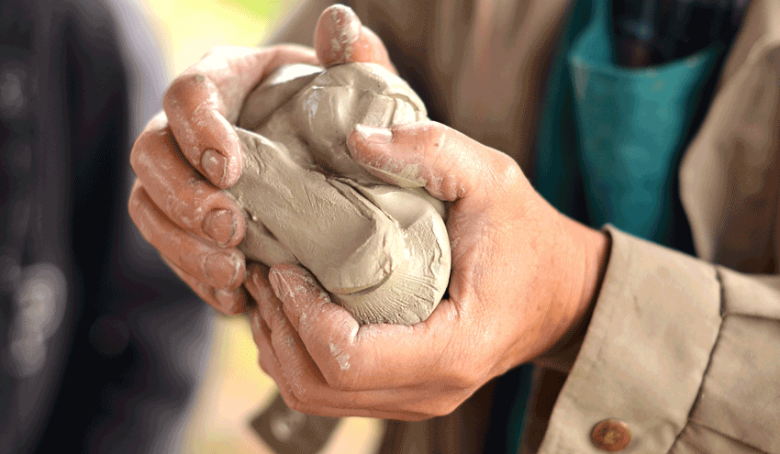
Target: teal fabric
615,134
610,139
631,127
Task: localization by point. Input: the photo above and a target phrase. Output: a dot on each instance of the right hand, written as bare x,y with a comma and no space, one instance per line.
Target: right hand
189,152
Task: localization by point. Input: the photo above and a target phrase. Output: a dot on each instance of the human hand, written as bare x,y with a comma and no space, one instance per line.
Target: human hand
523,279
187,154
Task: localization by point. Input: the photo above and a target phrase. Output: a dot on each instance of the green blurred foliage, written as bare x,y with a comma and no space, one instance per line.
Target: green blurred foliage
264,9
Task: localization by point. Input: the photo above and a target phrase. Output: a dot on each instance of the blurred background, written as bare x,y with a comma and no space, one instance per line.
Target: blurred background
234,389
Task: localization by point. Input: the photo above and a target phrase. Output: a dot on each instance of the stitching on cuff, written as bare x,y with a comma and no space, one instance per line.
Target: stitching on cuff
719,278
615,288
735,440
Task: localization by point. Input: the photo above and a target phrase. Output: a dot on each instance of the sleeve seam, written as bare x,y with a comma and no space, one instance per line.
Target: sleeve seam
719,278
735,440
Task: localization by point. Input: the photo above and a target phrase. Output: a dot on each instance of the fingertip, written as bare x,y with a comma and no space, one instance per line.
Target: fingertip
257,272
233,169
364,143
134,201
231,303
196,116
257,282
338,28
230,147
340,37
378,152
280,277
220,158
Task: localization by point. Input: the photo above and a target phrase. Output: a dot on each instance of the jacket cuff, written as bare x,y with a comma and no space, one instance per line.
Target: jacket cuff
646,350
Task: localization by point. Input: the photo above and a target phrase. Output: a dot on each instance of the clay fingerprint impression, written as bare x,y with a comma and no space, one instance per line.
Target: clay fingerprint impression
381,251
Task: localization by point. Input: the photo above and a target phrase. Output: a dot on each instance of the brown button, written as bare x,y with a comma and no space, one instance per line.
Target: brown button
611,435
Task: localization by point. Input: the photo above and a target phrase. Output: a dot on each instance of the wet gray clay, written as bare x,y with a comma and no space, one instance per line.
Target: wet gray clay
381,251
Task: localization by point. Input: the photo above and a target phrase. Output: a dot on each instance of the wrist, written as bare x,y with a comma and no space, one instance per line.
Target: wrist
592,254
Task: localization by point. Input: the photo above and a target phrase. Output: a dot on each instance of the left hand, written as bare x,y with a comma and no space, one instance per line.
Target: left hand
523,279
189,153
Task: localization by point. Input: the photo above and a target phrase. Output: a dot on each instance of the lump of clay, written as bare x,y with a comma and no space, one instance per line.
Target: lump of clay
381,251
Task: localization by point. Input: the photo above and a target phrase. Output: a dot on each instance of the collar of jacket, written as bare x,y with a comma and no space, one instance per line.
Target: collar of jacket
729,181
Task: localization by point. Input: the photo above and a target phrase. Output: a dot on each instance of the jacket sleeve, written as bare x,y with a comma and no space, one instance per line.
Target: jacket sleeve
682,351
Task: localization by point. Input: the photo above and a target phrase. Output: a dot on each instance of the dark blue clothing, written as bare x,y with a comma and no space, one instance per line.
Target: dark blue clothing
100,344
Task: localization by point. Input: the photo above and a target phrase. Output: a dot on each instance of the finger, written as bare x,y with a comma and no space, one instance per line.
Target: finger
205,100
272,366
448,164
261,334
180,192
216,267
258,286
353,357
341,38
227,302
257,282
285,359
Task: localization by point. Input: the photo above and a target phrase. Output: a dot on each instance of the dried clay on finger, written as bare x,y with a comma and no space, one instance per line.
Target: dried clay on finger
381,251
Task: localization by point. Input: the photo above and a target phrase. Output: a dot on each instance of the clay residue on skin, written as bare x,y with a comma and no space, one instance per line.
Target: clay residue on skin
341,357
407,177
347,33
381,251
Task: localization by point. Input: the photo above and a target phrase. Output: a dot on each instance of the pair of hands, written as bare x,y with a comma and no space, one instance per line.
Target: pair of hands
523,276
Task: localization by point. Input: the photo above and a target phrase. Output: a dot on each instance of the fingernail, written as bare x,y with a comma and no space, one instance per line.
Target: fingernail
213,165
279,284
346,25
227,300
260,288
374,135
336,33
221,269
220,226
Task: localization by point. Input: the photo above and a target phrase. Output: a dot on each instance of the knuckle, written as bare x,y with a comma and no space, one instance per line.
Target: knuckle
418,417
290,399
184,85
337,378
435,135
138,211
443,409
506,172
302,395
155,131
338,368
452,403
464,378
451,185
134,202
461,373
143,143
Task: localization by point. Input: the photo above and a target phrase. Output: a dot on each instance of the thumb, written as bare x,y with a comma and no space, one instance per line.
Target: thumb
341,38
447,163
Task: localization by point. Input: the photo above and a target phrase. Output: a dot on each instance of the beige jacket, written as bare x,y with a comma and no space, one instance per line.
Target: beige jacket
685,352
